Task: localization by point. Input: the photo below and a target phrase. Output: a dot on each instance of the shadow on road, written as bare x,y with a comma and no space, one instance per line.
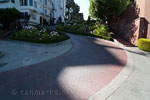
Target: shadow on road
76,75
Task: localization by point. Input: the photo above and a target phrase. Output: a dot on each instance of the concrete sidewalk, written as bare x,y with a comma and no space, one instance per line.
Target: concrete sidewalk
19,54
133,87
137,86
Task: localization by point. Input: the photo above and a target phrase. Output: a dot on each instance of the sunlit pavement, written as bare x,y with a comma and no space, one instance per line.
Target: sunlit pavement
137,86
19,54
88,67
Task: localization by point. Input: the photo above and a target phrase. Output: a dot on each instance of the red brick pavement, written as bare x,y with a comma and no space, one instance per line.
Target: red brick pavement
76,75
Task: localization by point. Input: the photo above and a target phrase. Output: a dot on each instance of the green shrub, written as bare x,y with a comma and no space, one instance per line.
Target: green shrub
88,28
85,27
45,36
39,36
130,2
101,31
144,44
2,32
91,28
60,27
39,27
78,22
91,35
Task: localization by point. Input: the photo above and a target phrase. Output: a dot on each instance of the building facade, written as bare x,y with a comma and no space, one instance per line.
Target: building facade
41,11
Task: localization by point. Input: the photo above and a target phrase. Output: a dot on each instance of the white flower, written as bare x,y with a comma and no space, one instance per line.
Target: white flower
29,27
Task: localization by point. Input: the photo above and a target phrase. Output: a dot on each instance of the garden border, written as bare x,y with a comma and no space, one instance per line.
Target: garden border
86,34
66,37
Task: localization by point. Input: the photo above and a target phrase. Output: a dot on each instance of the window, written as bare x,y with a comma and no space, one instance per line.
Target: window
45,2
13,1
41,10
45,11
40,0
31,2
35,4
23,2
59,3
24,14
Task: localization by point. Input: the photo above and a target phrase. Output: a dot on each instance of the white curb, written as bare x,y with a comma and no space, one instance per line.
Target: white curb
115,84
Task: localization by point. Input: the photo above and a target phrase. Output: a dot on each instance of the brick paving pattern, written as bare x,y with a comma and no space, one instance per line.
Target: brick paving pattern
76,75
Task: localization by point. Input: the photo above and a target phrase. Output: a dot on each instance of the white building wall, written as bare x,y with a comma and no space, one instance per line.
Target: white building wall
40,10
5,5
59,6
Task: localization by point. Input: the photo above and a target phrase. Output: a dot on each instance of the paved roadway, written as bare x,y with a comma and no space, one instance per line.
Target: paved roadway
76,75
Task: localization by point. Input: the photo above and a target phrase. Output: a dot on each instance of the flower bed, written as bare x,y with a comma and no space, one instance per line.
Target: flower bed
33,34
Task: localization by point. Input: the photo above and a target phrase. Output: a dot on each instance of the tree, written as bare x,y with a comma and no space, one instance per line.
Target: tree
69,5
73,10
8,16
106,10
75,15
89,18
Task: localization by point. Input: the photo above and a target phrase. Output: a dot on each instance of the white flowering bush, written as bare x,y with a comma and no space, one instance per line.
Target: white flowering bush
33,34
29,28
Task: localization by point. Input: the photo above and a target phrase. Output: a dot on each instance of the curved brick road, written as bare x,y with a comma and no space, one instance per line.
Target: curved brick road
76,75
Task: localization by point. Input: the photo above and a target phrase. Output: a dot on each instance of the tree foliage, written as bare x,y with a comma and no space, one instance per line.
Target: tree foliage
106,10
73,10
8,15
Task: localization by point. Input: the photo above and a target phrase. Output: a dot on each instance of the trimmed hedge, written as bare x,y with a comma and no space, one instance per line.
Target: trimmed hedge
89,34
144,44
